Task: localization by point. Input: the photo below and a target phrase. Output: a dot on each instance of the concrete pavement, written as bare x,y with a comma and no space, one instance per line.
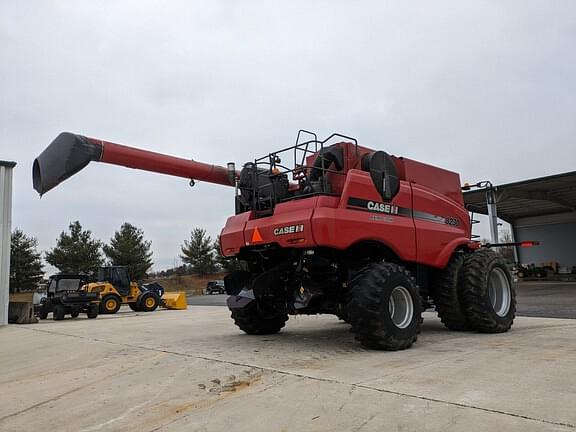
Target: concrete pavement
194,371
546,299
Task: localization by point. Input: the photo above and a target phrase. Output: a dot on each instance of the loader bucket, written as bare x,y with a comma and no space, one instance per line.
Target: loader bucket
176,301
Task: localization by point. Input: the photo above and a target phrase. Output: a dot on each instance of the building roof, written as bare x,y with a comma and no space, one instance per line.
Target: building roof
7,164
535,197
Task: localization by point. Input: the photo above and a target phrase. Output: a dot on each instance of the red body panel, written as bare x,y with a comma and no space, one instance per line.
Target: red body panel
131,157
352,225
423,225
436,239
438,180
294,213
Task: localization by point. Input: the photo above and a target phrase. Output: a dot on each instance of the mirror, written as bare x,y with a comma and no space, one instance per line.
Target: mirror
384,175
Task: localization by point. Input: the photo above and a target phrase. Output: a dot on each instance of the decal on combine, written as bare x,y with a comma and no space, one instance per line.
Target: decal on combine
393,210
378,207
290,229
382,208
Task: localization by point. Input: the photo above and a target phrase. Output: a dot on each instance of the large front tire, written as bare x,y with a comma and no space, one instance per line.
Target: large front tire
384,307
148,302
254,320
110,304
488,297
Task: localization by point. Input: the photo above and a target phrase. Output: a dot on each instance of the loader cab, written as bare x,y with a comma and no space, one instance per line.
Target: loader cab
117,276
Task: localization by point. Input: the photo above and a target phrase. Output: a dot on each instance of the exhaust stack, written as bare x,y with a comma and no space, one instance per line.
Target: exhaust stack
70,153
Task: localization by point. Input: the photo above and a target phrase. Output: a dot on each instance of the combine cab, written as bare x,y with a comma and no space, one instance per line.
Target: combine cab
329,226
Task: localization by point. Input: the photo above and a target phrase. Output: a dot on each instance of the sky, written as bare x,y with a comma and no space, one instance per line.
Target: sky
483,88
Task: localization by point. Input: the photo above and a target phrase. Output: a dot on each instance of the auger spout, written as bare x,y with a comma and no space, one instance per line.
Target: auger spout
70,153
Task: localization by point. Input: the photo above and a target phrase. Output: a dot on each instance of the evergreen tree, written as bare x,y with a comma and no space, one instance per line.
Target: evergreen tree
128,248
25,262
224,263
199,253
76,251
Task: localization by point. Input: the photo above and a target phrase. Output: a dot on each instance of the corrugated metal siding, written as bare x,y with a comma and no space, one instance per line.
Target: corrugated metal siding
5,235
557,240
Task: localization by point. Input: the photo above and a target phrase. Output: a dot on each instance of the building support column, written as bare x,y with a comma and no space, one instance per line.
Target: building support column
6,169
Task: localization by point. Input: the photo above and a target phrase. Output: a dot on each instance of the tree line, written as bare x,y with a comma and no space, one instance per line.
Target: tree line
77,251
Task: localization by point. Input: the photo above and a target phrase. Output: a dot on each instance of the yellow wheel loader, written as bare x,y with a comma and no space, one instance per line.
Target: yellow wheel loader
116,288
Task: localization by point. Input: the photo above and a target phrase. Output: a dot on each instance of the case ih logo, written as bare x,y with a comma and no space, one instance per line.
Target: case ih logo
377,207
391,209
290,229
382,208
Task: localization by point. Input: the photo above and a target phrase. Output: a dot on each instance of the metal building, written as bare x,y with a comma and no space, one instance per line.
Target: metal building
541,209
5,235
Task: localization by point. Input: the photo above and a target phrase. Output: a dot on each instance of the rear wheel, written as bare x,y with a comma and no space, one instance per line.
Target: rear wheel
446,296
43,314
384,307
148,302
134,306
488,297
59,313
92,311
254,319
342,315
110,304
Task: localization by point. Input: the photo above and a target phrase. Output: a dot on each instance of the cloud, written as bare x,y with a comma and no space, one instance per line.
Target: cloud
484,88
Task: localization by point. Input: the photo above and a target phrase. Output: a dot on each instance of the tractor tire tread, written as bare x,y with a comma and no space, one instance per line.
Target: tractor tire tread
251,322
475,298
59,313
92,311
140,303
365,305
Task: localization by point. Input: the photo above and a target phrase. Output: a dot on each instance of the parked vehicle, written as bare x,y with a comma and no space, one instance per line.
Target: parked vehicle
115,288
64,296
215,287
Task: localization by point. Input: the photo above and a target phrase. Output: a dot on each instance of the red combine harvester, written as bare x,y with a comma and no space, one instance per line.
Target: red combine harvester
332,227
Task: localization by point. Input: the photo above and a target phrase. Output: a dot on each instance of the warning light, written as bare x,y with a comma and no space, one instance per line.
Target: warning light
529,243
256,237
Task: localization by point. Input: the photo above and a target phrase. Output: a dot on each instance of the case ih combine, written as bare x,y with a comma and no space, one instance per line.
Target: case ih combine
333,227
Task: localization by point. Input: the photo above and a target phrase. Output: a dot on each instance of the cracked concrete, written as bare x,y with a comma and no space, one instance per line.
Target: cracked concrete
194,371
